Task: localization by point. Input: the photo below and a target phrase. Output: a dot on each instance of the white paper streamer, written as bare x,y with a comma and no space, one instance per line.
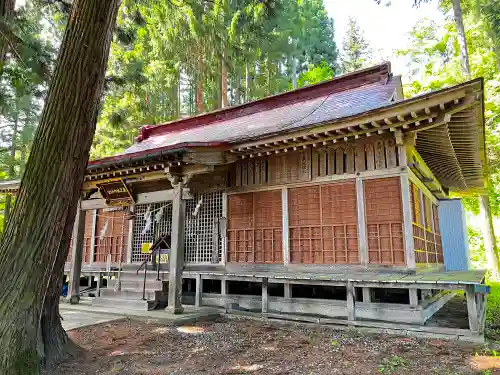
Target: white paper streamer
159,215
147,217
104,230
198,205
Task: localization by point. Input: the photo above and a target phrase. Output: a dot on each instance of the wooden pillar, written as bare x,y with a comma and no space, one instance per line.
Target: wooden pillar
176,259
472,309
407,221
223,228
363,238
413,297
285,229
92,236
287,290
351,303
199,291
77,255
367,295
98,289
130,238
265,295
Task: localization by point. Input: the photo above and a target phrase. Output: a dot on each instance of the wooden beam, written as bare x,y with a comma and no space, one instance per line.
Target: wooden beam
198,292
351,303
265,295
472,309
362,235
407,222
285,226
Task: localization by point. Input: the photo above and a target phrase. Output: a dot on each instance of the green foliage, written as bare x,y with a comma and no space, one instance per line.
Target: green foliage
179,48
434,63
356,49
391,364
315,74
492,328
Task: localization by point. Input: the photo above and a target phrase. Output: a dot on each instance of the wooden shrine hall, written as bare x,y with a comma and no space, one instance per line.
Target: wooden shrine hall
328,203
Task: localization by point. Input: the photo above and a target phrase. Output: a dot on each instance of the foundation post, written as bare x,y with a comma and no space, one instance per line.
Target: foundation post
351,303
265,295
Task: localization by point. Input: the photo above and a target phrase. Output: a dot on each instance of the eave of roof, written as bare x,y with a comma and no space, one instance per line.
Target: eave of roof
301,108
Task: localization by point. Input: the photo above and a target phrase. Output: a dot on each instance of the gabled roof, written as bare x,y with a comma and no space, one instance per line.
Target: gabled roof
447,125
343,96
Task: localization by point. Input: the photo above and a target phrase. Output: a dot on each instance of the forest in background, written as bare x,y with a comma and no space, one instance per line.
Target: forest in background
172,59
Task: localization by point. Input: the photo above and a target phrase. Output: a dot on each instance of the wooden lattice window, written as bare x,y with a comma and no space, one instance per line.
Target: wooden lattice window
323,224
419,235
255,228
87,237
437,234
384,219
426,235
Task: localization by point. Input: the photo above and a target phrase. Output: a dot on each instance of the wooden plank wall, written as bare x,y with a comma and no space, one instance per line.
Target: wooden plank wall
115,238
255,231
323,224
384,221
307,164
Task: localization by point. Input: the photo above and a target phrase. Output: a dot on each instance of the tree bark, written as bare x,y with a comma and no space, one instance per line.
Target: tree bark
199,86
237,91
490,246
11,171
52,182
247,82
462,41
56,344
6,14
224,73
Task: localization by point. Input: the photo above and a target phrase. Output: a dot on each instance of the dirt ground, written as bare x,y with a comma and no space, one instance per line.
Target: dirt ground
238,346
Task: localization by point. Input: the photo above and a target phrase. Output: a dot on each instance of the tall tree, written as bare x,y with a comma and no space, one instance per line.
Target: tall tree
6,15
484,200
54,174
356,52
493,21
246,54
436,61
462,41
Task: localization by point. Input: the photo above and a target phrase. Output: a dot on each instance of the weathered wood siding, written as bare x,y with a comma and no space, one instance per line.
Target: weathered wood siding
255,227
114,240
313,162
323,224
384,219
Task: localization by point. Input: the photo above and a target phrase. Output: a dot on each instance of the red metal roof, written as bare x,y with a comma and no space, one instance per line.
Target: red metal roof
343,96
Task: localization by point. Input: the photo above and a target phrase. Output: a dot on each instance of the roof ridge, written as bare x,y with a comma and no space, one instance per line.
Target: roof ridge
379,73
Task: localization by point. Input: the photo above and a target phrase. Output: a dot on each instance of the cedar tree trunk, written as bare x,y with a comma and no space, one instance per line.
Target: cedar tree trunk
56,344
247,82
6,14
224,74
52,182
462,41
11,171
484,201
199,87
489,236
